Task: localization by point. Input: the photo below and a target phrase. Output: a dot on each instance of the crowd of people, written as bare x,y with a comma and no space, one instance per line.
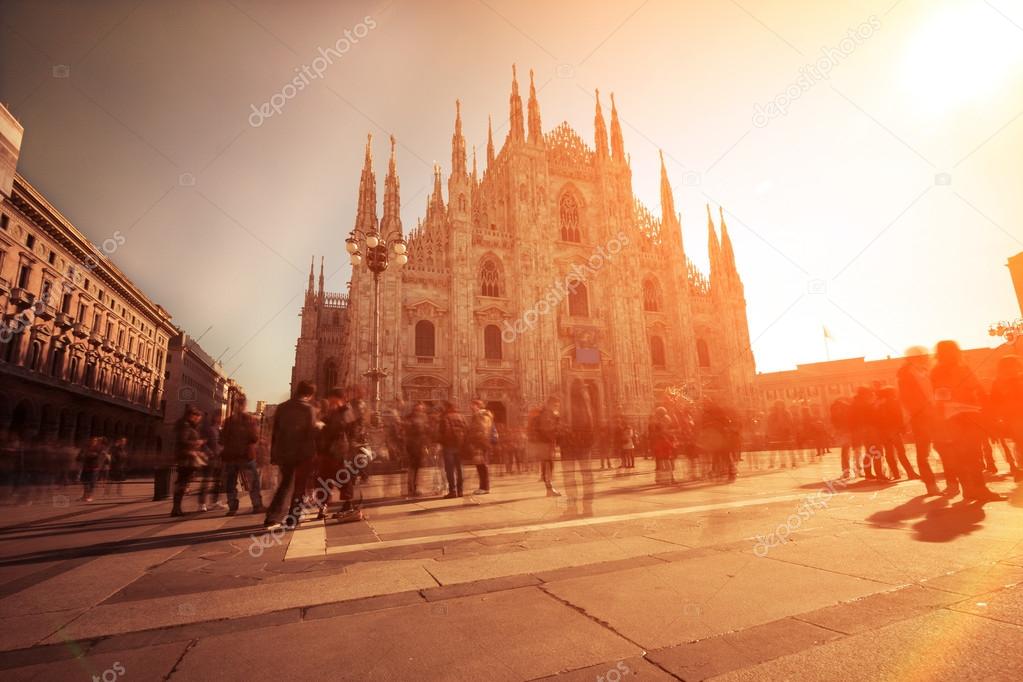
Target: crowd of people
946,408
28,473
941,407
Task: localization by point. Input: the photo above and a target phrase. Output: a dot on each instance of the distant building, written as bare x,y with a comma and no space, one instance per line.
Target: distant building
82,349
818,384
318,349
1015,265
194,379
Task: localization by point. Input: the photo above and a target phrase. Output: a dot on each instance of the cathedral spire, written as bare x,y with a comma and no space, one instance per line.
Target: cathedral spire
490,142
535,132
713,249
474,180
599,131
366,216
435,204
312,264
391,222
321,277
668,215
458,145
617,144
728,256
517,132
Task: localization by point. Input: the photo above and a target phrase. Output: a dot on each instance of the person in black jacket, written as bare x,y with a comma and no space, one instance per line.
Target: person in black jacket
292,448
188,449
239,437
451,434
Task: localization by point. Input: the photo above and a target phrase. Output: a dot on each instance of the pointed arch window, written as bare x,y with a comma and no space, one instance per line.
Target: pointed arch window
492,349
657,355
702,353
569,209
490,279
579,301
329,375
652,296
426,339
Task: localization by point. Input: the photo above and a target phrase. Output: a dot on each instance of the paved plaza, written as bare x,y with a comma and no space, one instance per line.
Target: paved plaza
784,573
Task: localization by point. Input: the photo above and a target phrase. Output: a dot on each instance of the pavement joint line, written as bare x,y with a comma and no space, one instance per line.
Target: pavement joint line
586,614
570,523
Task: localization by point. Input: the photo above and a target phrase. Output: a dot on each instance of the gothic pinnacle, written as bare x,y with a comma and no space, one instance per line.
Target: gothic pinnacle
599,130
617,143
535,130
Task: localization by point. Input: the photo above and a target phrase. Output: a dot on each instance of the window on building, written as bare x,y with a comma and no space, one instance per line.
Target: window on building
492,342
23,274
651,295
570,231
490,278
30,241
702,353
578,301
53,257
5,220
65,303
426,339
657,356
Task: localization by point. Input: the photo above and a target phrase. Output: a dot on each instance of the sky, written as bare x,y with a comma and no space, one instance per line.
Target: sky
867,154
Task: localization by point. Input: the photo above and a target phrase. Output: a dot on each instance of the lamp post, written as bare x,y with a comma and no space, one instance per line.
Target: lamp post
378,251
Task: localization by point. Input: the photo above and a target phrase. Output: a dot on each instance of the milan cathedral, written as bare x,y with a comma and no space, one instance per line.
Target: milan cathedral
542,274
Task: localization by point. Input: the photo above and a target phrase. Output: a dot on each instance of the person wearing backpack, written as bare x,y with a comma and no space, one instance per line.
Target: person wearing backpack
451,434
546,430
482,438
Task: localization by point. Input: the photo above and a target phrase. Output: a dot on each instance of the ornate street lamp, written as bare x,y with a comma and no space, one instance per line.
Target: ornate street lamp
377,252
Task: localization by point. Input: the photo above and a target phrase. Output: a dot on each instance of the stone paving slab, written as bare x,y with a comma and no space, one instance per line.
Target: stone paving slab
880,554
152,663
1005,605
716,655
978,579
636,668
666,605
878,610
357,582
546,559
942,645
514,635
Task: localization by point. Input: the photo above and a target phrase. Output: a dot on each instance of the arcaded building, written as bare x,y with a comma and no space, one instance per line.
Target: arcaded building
540,274
82,349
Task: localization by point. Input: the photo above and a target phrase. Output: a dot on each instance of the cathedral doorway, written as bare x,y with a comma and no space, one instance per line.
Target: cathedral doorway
585,404
499,411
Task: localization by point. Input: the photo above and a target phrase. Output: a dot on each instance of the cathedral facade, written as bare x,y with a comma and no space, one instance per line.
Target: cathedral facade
542,274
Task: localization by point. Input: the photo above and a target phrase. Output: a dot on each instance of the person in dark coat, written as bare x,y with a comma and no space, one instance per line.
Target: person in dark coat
917,396
890,427
292,448
189,454
451,434
959,431
239,437
416,441
1006,406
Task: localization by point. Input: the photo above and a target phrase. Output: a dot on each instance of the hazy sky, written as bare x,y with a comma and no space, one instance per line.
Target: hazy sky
882,203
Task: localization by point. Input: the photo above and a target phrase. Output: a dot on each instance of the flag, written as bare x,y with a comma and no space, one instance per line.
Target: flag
827,333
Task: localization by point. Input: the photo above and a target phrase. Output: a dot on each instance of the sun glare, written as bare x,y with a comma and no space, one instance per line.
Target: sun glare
958,56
